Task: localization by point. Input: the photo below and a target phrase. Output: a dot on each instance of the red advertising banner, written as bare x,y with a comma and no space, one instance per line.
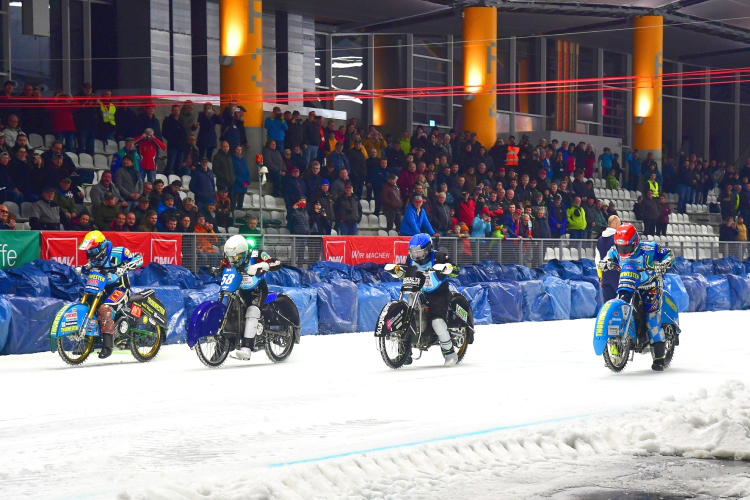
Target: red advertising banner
360,249
62,246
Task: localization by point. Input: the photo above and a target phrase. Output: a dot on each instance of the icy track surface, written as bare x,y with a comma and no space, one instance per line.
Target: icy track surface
530,413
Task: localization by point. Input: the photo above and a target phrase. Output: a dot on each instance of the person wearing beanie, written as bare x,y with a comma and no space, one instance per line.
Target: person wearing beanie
481,227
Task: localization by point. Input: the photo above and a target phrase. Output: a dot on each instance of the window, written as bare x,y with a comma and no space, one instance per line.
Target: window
348,73
430,73
503,75
693,85
528,69
670,83
31,56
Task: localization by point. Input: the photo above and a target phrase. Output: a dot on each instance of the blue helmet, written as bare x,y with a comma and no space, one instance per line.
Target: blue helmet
420,248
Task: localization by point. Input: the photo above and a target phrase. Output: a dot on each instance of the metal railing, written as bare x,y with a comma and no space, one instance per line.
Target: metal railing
200,250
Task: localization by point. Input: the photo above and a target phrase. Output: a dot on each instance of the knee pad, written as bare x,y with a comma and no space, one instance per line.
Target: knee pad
106,324
253,326
252,312
440,327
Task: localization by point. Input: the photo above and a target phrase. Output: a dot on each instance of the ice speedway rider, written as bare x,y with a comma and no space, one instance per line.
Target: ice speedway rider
253,289
437,268
648,259
101,253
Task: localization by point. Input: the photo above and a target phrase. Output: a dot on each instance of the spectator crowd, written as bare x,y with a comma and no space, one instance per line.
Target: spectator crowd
425,181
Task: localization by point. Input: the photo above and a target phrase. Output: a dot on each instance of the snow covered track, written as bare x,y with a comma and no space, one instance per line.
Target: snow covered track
531,412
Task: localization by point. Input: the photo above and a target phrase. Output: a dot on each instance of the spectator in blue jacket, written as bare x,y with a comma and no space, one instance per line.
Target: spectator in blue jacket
415,219
241,178
293,188
481,227
276,126
202,184
558,217
634,169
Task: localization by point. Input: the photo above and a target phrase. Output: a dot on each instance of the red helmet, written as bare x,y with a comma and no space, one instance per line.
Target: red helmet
626,240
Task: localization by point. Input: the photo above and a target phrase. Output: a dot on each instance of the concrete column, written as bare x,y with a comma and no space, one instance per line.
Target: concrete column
480,72
648,42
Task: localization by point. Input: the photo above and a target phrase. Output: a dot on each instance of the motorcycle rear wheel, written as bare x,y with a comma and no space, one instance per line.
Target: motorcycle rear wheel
212,351
145,348
616,354
279,344
461,344
74,351
669,333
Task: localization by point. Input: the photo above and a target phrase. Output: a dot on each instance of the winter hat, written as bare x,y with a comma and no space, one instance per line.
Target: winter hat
325,181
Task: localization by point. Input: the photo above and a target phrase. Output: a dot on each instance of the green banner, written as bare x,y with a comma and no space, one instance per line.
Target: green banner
18,247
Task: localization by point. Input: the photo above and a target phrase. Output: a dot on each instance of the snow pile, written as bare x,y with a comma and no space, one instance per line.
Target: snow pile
703,425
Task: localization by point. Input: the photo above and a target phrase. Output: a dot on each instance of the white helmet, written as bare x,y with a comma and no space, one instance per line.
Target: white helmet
236,250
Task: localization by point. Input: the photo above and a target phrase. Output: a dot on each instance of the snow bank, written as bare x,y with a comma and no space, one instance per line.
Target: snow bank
706,424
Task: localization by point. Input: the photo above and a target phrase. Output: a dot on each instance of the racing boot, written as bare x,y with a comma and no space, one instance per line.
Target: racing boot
252,326
440,327
658,349
108,340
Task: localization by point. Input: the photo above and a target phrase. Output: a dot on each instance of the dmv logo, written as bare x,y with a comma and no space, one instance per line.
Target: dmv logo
165,259
68,261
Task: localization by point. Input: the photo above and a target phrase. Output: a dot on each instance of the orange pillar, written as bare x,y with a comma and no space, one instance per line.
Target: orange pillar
242,38
648,43
480,73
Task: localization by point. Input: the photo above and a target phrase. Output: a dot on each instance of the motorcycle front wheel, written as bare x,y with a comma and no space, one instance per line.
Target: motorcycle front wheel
393,349
74,350
212,351
616,353
145,347
279,343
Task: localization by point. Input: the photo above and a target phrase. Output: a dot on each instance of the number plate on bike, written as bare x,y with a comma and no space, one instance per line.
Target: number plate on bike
412,284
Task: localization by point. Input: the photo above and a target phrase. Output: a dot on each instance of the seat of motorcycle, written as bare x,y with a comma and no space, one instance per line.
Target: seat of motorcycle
136,297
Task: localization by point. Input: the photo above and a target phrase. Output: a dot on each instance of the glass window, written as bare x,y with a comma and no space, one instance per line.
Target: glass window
586,69
744,130
670,83
745,91
528,69
615,64
693,85
693,113
669,127
321,60
30,56
430,73
390,62
551,75
76,47
431,46
348,73
503,75
615,113
104,65
722,86
721,132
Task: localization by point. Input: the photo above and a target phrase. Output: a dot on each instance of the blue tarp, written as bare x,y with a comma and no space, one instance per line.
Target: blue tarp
329,271
493,269
171,297
717,294
306,300
368,273
739,292
370,301
65,283
584,299
31,319
729,265
536,302
505,299
337,306
7,285
695,285
519,273
674,285
473,273
704,267
480,306
681,266
287,276
165,275
6,311
559,292
30,281
588,267
564,269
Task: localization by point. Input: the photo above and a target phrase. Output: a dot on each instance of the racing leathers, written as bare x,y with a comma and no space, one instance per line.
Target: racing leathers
254,291
642,272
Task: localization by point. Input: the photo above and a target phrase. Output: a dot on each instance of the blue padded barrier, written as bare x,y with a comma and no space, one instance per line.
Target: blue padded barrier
329,271
564,269
584,299
560,299
739,291
370,301
729,265
493,269
6,311
674,285
171,297
337,306
704,267
717,294
681,266
536,303
306,300
30,281
505,299
588,267
695,285
65,283
480,306
30,321
7,285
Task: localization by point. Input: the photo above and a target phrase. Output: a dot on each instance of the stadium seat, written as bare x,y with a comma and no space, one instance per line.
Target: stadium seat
382,221
98,147
48,140
365,206
74,157
35,141
26,209
186,180
233,230
111,148
283,230
392,232
13,208
100,162
163,178
381,232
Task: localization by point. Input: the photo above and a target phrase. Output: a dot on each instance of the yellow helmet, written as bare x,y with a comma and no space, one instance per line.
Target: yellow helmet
95,245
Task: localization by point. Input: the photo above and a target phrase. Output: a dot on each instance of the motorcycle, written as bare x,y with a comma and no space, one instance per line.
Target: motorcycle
140,321
620,330
216,327
403,325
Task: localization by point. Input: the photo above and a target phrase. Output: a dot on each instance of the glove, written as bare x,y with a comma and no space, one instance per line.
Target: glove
606,265
259,267
443,268
394,270
661,267
120,270
82,270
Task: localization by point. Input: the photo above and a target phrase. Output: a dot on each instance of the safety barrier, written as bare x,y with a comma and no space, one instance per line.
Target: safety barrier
497,293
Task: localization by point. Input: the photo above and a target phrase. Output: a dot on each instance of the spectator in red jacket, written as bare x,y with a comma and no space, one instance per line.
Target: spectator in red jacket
467,209
63,125
407,179
148,147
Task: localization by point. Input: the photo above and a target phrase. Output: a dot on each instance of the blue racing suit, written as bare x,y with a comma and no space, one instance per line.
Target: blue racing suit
436,289
637,274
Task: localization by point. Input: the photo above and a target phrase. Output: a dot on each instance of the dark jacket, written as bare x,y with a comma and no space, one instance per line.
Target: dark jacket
223,169
202,184
650,209
145,122
295,134
540,228
174,133
207,133
347,209
299,222
440,217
